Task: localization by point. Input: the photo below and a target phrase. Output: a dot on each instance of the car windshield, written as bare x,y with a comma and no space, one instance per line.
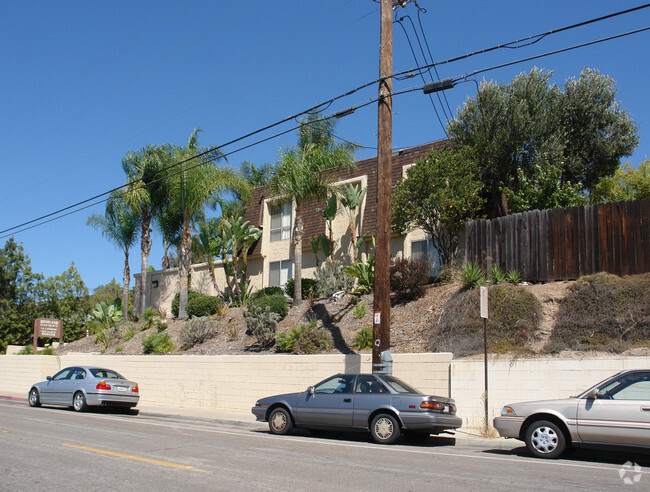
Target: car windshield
399,385
106,373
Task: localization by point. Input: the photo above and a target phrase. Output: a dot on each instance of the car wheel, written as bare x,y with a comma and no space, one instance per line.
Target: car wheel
34,398
545,439
280,421
385,429
79,402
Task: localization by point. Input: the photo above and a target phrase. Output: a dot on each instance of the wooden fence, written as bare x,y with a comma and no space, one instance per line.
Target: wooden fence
565,243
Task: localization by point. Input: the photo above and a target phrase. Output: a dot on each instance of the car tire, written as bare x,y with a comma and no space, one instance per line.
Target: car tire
545,439
280,421
385,429
34,398
79,402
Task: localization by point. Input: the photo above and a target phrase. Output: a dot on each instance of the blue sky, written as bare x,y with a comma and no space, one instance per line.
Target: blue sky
84,82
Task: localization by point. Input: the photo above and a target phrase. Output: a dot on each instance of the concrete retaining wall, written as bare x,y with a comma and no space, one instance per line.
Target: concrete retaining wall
232,383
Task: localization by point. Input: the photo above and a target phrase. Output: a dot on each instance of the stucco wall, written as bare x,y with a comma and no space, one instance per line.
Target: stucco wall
232,383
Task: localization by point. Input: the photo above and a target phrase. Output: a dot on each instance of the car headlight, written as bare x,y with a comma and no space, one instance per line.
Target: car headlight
508,412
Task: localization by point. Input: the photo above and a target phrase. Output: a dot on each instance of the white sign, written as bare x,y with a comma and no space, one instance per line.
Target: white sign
484,302
377,318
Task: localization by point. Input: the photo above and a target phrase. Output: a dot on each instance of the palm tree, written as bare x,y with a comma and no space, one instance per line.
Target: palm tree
119,225
301,176
193,182
142,168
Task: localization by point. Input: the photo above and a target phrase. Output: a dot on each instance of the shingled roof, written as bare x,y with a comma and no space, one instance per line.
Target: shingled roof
315,224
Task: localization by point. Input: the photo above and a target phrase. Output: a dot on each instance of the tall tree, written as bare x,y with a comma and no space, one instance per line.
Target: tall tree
143,171
301,175
194,180
522,131
119,225
439,193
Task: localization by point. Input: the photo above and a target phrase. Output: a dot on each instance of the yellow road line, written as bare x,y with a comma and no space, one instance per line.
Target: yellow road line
137,458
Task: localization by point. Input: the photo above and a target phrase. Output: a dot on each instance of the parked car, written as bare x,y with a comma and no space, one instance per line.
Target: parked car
383,405
614,412
81,387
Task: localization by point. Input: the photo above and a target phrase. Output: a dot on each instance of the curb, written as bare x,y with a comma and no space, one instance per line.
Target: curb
13,398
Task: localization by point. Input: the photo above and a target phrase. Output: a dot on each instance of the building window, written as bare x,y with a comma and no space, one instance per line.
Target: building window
154,284
281,222
279,273
424,251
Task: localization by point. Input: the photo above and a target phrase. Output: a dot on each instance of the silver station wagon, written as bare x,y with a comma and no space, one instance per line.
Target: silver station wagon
614,412
81,387
383,405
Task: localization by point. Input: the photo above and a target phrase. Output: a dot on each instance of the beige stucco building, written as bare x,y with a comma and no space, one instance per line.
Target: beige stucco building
270,260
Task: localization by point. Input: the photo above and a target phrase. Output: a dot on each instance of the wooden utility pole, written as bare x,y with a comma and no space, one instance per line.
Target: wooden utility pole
381,326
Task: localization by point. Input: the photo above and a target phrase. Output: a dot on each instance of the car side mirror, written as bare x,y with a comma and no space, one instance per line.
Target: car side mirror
310,390
592,395
49,378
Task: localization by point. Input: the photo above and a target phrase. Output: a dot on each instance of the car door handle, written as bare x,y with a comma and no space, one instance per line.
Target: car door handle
347,400
645,409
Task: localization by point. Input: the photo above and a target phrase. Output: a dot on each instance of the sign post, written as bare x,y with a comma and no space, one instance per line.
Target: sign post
484,315
47,327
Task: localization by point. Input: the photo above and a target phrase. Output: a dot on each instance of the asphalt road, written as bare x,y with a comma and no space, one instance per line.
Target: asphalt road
57,449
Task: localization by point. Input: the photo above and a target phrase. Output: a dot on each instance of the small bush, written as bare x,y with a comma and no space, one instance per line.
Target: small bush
158,343
201,305
177,300
472,276
359,310
496,274
277,303
363,338
312,340
266,291
307,287
331,278
408,277
286,340
106,337
513,276
128,335
197,331
119,349
262,323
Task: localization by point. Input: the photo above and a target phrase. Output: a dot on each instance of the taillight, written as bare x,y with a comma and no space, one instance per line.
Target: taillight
432,405
103,386
135,389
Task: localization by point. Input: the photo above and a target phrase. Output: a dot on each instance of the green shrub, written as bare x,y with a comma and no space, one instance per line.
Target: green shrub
331,278
262,323
201,305
177,300
359,310
312,340
363,338
496,274
364,272
286,340
266,291
307,287
158,343
514,317
408,277
119,349
604,312
28,350
128,335
277,303
106,337
197,331
513,276
472,276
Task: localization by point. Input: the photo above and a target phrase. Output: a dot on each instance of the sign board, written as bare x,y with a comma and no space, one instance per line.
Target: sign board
47,327
484,302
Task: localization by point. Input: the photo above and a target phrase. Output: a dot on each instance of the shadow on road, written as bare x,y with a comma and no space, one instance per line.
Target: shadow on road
612,456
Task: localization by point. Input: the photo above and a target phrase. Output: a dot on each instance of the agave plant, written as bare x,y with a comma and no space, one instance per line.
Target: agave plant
472,275
513,276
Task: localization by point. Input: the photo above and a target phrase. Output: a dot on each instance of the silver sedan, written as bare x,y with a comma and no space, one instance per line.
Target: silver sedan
615,412
384,405
81,387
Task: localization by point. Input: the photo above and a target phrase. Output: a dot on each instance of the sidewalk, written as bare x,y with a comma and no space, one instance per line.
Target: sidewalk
464,435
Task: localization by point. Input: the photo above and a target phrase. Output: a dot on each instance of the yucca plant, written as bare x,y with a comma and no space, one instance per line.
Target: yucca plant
363,338
472,275
513,276
497,274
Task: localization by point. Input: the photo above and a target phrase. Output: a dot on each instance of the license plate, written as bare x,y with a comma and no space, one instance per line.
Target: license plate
121,388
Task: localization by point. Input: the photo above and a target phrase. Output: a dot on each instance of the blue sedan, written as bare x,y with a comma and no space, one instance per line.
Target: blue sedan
384,405
81,387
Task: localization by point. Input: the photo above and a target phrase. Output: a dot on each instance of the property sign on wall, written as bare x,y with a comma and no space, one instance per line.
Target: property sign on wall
47,327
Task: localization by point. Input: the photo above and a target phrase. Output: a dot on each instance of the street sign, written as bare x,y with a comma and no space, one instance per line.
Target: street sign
49,328
484,302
